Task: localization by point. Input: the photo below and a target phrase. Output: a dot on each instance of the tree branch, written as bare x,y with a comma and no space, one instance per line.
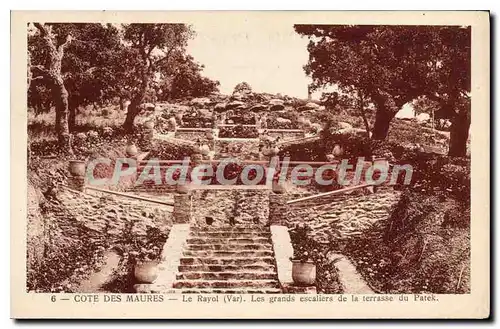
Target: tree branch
167,56
67,42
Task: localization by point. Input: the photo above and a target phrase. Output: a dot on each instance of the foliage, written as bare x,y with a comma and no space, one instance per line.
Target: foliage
435,174
390,66
168,151
238,131
185,80
273,121
89,66
307,249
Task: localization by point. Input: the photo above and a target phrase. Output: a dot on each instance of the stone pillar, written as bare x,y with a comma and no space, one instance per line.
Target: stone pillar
278,209
146,136
183,203
77,170
77,183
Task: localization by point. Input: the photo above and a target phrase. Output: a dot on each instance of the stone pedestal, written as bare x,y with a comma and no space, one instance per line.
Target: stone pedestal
182,208
77,183
146,136
278,209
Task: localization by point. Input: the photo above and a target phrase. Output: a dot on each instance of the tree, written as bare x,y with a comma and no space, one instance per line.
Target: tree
89,67
448,81
182,77
383,64
53,45
393,65
149,46
354,101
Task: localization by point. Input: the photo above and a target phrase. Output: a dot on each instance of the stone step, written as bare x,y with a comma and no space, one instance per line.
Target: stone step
227,276
221,253
227,268
226,284
232,291
236,228
229,247
210,240
229,235
235,261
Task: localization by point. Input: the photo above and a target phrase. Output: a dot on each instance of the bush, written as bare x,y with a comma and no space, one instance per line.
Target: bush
305,248
242,87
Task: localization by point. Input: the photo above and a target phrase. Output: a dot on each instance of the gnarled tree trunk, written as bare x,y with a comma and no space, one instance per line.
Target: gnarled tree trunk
134,107
459,133
387,108
59,92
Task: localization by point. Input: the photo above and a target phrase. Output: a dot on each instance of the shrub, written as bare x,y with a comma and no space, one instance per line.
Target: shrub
242,87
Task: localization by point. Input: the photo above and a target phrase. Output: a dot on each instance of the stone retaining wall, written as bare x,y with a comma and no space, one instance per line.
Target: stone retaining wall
286,134
241,148
246,206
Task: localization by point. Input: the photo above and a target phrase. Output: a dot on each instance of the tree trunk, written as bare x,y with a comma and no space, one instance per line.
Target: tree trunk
133,110
381,126
363,114
58,90
387,107
72,119
459,133
62,112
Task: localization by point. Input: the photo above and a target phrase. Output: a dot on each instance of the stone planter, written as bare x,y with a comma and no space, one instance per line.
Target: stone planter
381,162
131,150
149,124
303,273
146,272
337,150
204,149
77,168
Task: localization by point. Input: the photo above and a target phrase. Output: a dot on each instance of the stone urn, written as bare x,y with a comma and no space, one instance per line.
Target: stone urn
149,124
303,273
198,156
204,149
275,150
337,150
210,135
131,150
381,162
172,124
146,272
267,151
77,168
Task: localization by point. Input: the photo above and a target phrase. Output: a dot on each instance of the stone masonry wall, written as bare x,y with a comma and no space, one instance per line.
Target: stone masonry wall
243,149
349,214
285,135
101,212
192,135
246,206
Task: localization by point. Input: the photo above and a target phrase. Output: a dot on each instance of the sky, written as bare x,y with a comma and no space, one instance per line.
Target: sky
270,60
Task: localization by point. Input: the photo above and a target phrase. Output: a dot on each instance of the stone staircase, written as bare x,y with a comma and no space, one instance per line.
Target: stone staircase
228,259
